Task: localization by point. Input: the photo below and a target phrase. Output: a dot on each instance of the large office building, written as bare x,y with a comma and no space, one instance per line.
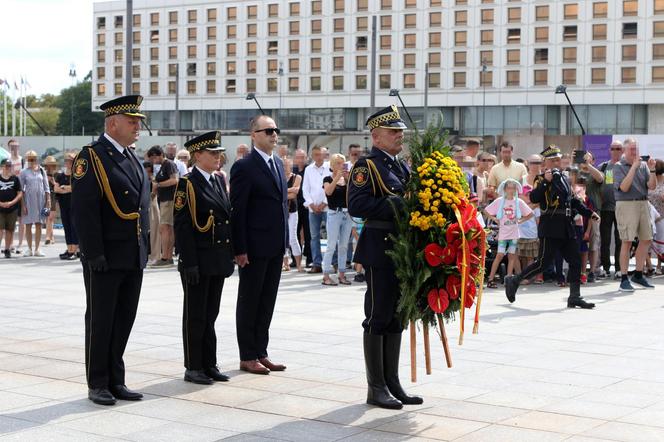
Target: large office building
493,65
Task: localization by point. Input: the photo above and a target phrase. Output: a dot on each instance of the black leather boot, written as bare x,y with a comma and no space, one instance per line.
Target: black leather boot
511,285
575,299
391,351
377,393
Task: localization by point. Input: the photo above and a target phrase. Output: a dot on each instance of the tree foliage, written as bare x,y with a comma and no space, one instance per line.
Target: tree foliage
78,98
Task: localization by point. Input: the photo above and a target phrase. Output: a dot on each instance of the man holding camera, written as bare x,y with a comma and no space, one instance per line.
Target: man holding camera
633,176
556,230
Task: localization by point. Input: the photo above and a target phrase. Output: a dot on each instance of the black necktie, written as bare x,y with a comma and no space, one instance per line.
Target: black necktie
128,156
215,185
275,175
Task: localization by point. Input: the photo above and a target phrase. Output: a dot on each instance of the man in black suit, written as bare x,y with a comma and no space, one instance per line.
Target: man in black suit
110,208
259,223
202,228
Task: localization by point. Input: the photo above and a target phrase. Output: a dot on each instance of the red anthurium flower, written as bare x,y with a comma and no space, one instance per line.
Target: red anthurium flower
453,233
450,254
434,254
438,300
453,286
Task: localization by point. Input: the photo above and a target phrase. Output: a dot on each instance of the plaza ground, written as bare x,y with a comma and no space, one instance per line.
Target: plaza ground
536,371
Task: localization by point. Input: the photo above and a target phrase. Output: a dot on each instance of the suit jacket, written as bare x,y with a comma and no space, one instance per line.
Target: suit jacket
211,250
259,220
373,201
101,231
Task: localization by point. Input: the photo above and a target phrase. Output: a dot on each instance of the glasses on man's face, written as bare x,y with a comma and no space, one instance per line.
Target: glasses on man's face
486,161
269,131
616,148
536,163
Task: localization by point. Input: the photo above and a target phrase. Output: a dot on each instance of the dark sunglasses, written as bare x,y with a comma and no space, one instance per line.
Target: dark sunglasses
486,161
616,148
534,162
270,130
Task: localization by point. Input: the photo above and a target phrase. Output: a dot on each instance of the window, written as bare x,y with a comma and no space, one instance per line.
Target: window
191,34
435,3
361,43
385,4
434,39
658,51
513,78
251,85
385,62
542,34
409,81
117,88
231,31
136,37
542,13
486,79
172,18
569,76
409,41
231,13
231,49
272,47
630,8
435,19
598,76
657,75
273,29
272,66
338,25
136,54
251,48
628,75
542,56
486,57
434,80
658,29
629,53
294,46
338,63
252,11
513,56
117,55
117,72
191,69
211,15
410,21
172,35
252,30
230,86
362,23
317,7
459,59
571,11
360,62
101,89
384,81
360,82
434,59
101,24
513,36
316,45
599,32
460,38
172,52
541,77
212,33
191,51
315,64
171,87
315,83
211,68
459,79
600,10
569,55
211,86
338,43
513,15
118,21
101,39
293,84
461,18
338,83
629,30
154,71
118,38
385,42
486,36
101,73
411,4
294,9
386,22
231,68
191,87
316,26
409,61
294,28
599,54
136,87
362,5
487,16
294,65
272,85
569,33
192,16
251,66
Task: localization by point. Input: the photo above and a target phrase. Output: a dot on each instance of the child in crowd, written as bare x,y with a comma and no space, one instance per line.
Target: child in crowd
528,244
508,211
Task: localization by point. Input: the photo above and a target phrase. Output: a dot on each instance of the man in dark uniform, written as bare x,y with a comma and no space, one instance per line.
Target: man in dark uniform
202,229
376,189
558,207
110,208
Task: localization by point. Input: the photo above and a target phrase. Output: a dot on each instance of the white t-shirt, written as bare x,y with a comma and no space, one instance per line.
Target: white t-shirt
528,229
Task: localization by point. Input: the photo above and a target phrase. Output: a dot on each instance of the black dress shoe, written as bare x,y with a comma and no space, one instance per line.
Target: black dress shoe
511,285
579,302
101,396
216,375
197,377
122,392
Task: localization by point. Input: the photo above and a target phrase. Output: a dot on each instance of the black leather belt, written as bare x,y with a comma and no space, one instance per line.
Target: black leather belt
378,224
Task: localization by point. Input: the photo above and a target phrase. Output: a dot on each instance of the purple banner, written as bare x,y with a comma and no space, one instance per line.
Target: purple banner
599,146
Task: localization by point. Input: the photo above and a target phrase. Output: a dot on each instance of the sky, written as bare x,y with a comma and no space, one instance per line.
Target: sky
40,39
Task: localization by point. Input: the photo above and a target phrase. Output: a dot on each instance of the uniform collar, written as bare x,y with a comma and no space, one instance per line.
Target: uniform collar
204,173
120,148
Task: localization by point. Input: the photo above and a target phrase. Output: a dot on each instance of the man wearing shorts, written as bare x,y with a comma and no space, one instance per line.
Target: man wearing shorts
166,180
632,178
10,195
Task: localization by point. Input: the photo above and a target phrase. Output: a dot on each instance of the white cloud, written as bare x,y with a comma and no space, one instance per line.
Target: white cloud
40,39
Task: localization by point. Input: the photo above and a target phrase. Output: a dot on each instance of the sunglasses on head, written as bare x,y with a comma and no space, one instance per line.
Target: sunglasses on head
270,130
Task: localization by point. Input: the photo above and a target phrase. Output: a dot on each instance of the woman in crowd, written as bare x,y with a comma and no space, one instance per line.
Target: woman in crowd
294,182
36,201
656,197
51,167
62,191
339,224
220,171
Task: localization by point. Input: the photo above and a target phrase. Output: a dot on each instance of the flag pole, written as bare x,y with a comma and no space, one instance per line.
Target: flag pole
14,114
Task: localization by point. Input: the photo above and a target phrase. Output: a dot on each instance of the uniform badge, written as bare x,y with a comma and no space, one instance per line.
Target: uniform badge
80,168
360,175
180,199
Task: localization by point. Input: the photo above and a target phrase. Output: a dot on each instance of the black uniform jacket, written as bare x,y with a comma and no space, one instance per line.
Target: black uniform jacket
111,206
558,207
209,248
372,194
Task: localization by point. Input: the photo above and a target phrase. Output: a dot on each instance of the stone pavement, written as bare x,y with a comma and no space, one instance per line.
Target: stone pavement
535,372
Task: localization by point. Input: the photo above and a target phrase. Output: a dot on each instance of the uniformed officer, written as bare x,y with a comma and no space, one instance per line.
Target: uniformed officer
558,207
110,204
202,213
376,189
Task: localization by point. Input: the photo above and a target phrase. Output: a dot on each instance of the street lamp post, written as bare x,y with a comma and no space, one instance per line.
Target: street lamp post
72,75
252,96
562,89
395,93
483,79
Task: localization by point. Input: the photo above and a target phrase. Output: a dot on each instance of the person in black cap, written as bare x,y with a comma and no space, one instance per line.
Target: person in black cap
110,209
377,184
202,229
552,191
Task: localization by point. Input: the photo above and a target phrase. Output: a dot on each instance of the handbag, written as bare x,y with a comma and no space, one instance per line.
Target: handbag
45,212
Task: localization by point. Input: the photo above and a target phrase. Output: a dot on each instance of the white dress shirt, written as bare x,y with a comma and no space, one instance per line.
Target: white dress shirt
115,144
312,184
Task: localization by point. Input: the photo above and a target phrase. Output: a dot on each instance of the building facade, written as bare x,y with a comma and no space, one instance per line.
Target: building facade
493,65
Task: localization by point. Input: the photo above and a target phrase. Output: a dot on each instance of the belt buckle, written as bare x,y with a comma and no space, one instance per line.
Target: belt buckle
568,212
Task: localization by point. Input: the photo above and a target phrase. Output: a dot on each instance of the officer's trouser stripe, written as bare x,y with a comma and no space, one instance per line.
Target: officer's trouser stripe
186,324
87,356
372,299
540,258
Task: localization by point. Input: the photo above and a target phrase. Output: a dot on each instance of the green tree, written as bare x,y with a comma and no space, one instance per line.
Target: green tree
47,118
79,99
